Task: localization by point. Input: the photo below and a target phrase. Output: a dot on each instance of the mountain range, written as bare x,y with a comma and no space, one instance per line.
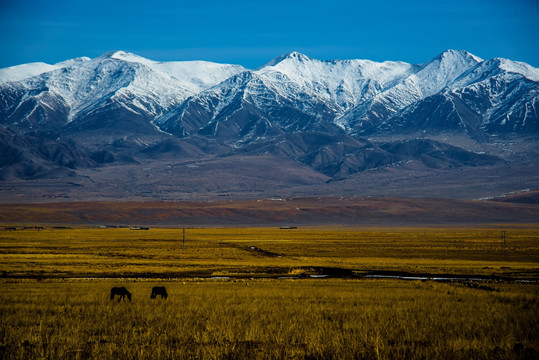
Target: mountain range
121,125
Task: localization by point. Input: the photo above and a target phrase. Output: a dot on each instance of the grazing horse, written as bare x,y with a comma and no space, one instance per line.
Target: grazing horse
121,292
159,290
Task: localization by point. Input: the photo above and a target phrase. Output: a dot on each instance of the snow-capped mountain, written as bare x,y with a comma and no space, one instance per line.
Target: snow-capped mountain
496,96
92,93
120,108
24,71
341,83
194,75
246,107
296,93
290,93
422,81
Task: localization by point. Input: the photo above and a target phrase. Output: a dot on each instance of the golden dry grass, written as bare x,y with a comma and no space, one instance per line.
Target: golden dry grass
229,251
49,310
268,319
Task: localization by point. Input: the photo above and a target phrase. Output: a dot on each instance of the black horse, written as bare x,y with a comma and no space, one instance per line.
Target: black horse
159,290
121,292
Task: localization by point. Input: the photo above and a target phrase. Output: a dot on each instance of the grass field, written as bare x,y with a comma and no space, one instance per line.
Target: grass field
279,319
265,252
226,299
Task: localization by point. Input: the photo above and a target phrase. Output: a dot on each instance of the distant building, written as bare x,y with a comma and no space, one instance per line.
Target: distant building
139,228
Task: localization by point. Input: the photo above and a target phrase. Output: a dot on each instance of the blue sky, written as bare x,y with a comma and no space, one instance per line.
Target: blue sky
251,33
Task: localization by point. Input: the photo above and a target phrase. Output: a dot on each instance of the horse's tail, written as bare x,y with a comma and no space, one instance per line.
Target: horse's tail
112,294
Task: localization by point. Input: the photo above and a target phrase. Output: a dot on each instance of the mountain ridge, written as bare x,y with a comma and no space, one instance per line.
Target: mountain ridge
338,119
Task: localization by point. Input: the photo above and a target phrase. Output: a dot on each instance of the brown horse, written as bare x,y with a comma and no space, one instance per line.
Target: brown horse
159,290
121,292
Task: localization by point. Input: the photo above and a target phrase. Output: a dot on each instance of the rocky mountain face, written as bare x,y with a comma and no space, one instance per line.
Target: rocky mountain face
101,93
36,155
456,91
337,118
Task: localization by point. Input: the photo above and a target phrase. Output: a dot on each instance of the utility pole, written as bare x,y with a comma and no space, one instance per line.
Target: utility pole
184,239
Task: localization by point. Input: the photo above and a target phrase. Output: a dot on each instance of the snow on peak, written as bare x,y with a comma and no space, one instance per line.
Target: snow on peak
24,71
457,55
194,76
342,82
452,61
126,56
518,67
72,62
441,71
198,75
136,82
293,56
496,67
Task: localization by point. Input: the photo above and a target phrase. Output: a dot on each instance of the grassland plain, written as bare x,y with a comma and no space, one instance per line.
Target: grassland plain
228,298
268,319
252,252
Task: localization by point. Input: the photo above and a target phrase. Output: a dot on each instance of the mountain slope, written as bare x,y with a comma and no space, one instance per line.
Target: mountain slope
25,71
39,156
291,93
296,93
244,108
497,96
422,81
200,126
84,94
